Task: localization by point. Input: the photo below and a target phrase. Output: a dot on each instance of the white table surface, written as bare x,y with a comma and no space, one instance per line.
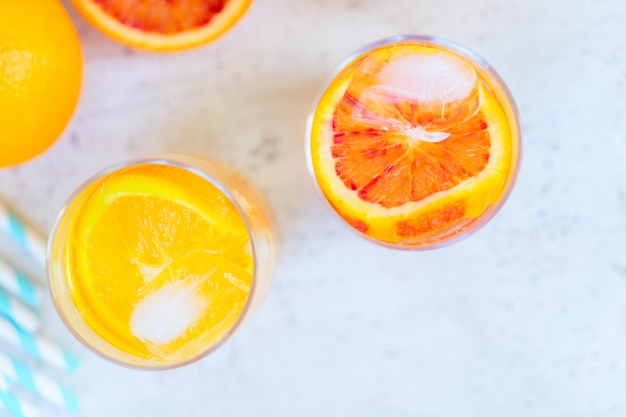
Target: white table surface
525,318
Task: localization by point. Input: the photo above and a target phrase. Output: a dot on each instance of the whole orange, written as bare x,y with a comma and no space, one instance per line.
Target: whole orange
40,76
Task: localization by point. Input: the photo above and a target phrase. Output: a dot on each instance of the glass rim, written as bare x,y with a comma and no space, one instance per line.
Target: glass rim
472,226
169,160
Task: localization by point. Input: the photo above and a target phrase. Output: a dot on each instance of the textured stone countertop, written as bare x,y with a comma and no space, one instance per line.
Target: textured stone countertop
525,318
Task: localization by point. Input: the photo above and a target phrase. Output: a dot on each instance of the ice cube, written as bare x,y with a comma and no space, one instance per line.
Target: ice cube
166,313
428,78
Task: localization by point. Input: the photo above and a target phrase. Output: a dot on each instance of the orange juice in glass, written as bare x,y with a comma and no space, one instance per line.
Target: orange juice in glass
155,262
414,142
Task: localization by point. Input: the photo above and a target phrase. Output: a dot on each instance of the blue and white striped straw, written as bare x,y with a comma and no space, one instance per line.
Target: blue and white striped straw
19,285
37,383
16,406
38,346
22,233
4,382
12,404
21,315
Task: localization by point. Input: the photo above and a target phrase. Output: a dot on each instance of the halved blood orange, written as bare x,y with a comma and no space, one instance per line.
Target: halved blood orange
162,25
412,144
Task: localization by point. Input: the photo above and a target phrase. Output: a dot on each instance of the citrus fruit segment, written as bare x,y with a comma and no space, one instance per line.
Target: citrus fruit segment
40,77
410,144
163,25
162,264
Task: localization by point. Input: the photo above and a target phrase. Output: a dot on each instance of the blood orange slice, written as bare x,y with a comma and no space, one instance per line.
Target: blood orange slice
162,25
411,144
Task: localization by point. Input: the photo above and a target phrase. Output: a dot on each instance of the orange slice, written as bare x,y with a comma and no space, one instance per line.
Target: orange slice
162,25
161,262
411,145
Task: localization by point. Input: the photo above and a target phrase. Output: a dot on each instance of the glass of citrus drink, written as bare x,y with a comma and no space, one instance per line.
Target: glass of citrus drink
155,262
414,142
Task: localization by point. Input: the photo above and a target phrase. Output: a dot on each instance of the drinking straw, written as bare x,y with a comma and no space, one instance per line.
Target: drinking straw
16,407
19,285
38,346
21,315
22,233
4,382
12,404
39,384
